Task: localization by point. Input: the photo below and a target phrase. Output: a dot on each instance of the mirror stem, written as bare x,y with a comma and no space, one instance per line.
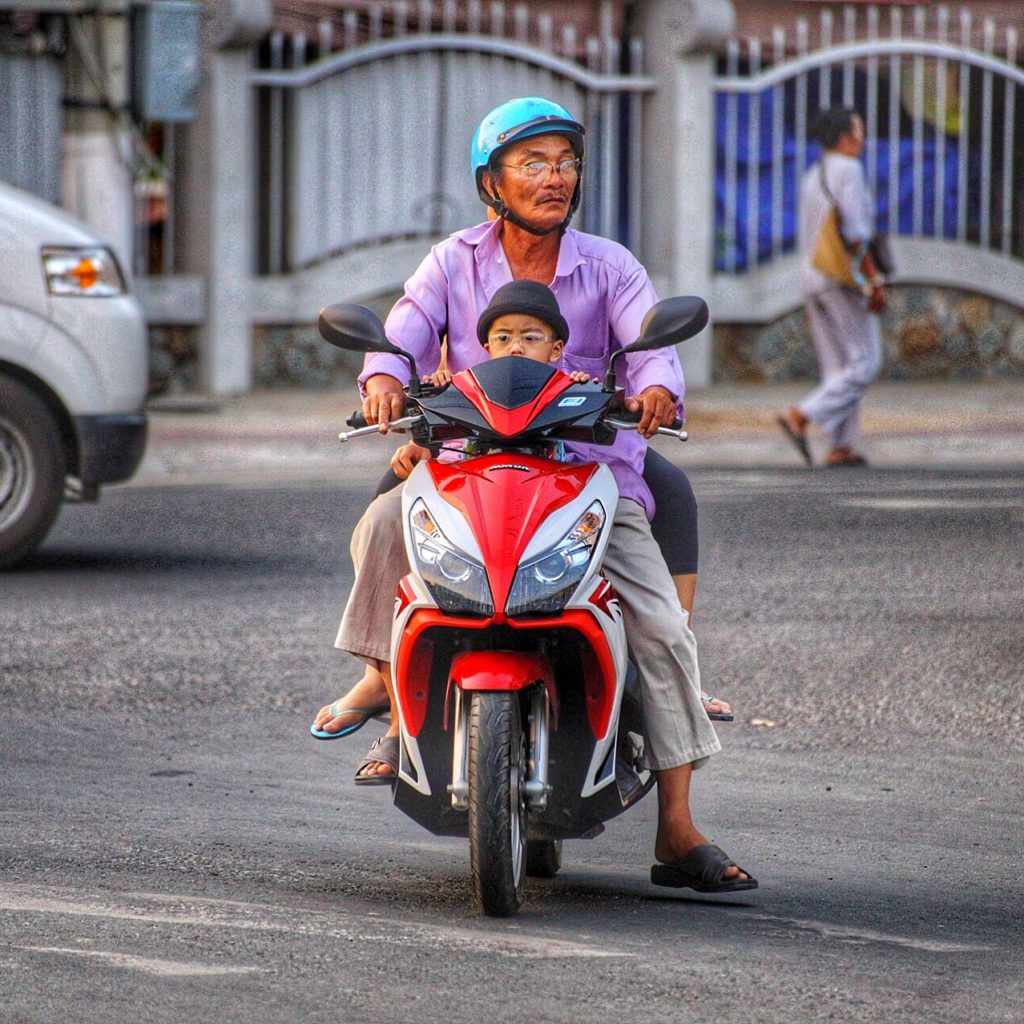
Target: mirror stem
414,378
609,377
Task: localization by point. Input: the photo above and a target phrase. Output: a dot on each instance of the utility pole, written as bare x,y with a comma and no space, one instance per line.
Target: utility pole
96,178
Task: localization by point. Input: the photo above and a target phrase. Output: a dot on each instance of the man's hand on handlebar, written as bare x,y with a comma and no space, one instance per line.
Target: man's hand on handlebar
384,400
656,406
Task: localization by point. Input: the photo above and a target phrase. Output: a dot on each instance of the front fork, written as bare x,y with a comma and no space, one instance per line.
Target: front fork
535,787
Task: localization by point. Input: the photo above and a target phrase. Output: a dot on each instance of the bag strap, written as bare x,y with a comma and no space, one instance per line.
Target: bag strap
824,186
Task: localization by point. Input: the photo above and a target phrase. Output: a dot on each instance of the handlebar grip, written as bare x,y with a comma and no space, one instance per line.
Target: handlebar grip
357,419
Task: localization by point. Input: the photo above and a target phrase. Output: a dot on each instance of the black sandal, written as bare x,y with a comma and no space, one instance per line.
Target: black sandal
702,869
715,716
798,439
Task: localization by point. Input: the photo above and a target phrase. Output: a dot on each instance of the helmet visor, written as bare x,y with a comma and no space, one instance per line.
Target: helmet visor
547,124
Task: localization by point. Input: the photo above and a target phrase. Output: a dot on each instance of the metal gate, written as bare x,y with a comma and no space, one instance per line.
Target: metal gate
944,148
371,144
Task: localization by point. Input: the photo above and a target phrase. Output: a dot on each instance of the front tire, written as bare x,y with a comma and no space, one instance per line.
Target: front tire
31,471
497,803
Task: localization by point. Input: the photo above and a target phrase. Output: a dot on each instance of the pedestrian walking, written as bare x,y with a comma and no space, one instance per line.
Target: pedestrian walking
843,289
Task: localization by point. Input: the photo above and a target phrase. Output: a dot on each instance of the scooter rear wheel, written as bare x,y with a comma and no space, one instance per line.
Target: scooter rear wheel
497,802
543,857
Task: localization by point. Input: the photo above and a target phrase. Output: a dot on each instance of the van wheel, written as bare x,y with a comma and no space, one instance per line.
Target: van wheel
31,472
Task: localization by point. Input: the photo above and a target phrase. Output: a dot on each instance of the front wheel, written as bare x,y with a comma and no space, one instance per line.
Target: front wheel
31,471
497,804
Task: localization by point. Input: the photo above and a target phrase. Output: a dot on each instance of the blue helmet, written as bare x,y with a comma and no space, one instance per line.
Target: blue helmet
514,121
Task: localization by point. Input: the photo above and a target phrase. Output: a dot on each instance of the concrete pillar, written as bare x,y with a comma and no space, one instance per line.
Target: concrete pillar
217,193
677,239
96,179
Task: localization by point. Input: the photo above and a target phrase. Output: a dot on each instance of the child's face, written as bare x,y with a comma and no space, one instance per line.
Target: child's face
518,334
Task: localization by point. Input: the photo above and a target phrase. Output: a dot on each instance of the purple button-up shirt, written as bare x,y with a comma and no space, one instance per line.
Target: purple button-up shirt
603,293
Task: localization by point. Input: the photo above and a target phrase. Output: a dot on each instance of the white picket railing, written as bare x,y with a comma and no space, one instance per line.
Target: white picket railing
942,152
371,144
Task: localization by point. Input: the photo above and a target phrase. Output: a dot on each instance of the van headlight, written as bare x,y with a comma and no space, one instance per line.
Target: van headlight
547,582
90,271
457,582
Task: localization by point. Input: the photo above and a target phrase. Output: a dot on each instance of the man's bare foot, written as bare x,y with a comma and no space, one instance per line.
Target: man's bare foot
369,692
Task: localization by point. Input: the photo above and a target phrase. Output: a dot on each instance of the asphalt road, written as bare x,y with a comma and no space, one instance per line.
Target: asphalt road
174,847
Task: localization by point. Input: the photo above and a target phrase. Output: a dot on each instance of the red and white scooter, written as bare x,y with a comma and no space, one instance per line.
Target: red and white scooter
520,719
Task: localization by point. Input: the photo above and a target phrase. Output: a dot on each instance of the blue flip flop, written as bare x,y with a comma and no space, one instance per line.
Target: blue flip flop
365,714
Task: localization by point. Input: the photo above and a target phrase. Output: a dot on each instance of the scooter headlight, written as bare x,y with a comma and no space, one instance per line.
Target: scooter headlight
457,582
546,583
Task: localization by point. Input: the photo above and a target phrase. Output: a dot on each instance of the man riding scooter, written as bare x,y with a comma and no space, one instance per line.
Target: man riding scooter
527,159
523,319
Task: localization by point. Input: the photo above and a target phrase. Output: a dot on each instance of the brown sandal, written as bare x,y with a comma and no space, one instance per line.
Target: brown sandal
383,750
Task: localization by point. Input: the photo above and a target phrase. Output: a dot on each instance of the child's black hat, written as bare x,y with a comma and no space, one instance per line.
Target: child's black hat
527,298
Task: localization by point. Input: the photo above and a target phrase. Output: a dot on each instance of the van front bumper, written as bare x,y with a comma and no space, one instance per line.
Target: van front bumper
110,448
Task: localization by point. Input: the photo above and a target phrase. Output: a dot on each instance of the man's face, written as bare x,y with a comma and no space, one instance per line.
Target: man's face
519,334
542,199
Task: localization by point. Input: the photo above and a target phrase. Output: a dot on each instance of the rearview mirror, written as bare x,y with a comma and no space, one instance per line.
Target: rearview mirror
353,327
671,321
668,322
359,329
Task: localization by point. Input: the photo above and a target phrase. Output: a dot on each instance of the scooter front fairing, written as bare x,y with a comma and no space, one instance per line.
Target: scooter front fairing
498,523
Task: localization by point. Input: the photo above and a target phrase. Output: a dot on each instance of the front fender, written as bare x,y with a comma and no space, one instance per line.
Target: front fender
501,670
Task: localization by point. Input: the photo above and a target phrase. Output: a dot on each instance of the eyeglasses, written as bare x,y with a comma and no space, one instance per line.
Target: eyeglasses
530,339
569,168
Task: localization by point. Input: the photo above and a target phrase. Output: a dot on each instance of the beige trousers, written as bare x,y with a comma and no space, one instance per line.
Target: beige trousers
661,643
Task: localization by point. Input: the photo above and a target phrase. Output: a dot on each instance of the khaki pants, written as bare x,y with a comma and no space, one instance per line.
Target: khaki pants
661,643
848,342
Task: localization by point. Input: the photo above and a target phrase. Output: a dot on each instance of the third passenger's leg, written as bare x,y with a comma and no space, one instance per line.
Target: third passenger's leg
675,530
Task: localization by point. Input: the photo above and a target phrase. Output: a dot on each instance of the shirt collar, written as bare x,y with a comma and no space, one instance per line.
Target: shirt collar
483,238
569,257
486,241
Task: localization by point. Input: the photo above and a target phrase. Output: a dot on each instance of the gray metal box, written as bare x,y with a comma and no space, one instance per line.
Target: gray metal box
165,59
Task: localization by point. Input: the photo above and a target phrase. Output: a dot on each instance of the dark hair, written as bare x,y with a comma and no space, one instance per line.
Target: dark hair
830,125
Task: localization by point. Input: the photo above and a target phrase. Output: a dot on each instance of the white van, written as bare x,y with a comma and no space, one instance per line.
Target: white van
73,369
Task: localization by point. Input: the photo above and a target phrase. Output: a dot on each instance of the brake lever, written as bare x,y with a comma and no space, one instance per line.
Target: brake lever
399,424
679,435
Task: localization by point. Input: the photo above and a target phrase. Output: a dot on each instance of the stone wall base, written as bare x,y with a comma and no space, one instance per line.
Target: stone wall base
929,333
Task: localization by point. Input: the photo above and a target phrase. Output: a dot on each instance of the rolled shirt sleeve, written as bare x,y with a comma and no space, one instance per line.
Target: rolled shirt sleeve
627,309
416,324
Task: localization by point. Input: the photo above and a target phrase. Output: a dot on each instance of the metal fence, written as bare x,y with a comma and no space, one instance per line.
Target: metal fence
939,94
371,144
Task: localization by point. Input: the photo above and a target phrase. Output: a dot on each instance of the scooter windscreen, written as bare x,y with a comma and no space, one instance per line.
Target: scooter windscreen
517,401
